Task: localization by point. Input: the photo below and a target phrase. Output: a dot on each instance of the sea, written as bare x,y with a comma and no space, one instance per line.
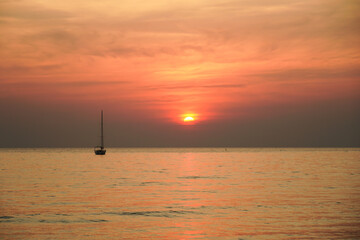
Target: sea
180,193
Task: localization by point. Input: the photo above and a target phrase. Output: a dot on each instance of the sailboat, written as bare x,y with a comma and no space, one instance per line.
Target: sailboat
100,150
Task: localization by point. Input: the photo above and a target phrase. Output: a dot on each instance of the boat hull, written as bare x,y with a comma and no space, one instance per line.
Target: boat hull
100,152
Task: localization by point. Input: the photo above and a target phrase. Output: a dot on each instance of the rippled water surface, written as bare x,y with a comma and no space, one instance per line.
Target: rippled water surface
180,194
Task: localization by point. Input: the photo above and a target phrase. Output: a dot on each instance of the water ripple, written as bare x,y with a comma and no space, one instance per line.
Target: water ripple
168,214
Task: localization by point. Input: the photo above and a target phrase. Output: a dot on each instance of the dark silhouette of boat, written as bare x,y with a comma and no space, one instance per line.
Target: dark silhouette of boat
100,150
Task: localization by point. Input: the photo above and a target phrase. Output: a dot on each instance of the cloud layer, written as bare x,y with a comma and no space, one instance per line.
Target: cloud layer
226,61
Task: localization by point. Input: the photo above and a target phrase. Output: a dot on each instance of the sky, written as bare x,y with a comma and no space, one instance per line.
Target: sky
251,73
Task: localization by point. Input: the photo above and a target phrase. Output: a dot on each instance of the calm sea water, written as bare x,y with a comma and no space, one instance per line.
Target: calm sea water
180,194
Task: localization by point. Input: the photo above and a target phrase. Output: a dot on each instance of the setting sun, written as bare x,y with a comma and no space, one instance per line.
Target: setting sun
188,119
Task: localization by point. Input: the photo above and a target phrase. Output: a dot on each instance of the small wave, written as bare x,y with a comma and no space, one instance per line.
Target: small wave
189,199
198,177
149,183
31,218
71,221
194,191
10,219
54,221
4,219
168,214
97,220
152,183
62,214
159,171
33,214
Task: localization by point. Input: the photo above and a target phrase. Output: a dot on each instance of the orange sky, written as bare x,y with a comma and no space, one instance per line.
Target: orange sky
155,61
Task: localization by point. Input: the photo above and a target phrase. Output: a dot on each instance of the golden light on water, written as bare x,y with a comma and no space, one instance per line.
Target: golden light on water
180,193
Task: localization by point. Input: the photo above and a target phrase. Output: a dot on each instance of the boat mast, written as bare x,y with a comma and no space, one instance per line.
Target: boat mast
102,131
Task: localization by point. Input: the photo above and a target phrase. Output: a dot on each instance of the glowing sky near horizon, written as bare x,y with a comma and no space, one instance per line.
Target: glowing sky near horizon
155,61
